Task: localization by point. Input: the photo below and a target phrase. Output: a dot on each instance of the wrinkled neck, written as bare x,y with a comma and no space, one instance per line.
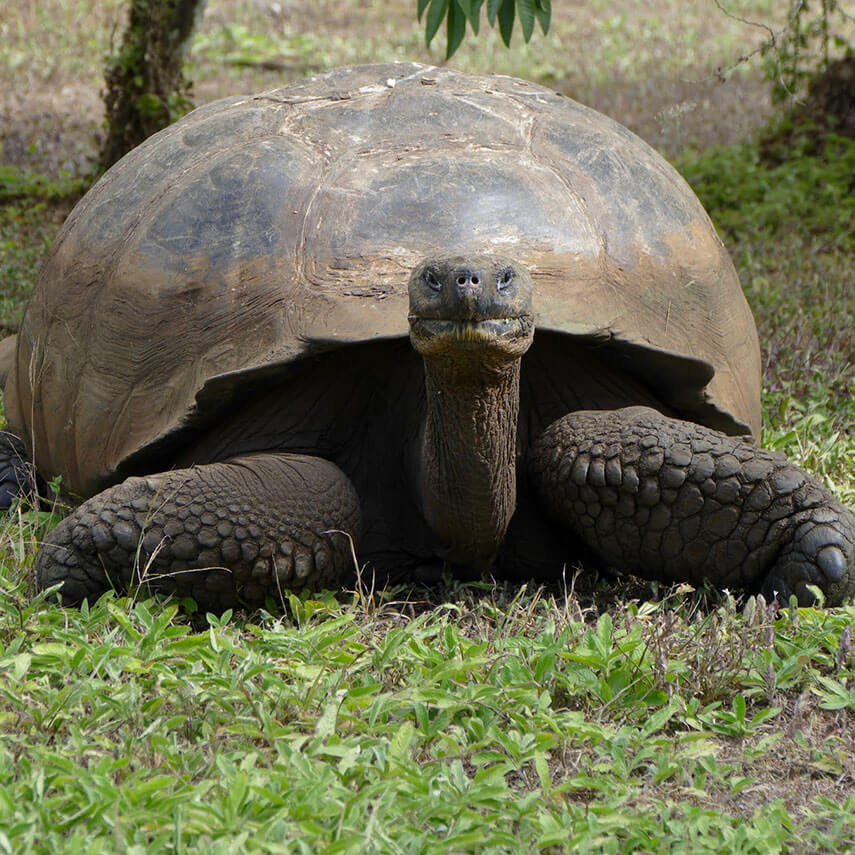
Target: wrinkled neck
468,465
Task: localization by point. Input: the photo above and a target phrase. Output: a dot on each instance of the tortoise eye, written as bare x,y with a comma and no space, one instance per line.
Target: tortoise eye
431,280
504,279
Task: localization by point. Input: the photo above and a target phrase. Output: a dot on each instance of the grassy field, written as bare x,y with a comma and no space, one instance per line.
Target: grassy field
595,717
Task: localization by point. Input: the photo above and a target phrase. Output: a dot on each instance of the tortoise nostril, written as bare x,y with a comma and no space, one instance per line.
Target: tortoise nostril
461,280
474,280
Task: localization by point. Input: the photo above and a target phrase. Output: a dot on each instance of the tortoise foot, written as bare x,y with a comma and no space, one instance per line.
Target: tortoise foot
821,555
676,501
18,477
226,534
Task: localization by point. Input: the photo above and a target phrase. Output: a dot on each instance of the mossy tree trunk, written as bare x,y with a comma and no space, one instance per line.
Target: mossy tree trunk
146,88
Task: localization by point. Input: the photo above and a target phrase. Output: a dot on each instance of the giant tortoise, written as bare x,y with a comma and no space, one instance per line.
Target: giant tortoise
410,318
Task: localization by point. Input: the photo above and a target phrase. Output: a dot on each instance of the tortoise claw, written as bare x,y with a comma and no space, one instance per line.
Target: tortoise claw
820,556
18,477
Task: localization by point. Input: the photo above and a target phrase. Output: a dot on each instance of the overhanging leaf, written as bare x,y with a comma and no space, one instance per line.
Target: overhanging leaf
526,10
493,7
474,14
543,11
456,28
507,12
435,14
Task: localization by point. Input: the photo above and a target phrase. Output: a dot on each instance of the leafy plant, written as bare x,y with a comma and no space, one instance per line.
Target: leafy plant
809,193
17,183
27,227
128,724
791,226
457,13
816,32
237,45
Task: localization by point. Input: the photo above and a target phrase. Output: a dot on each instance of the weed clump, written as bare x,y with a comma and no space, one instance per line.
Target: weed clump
811,127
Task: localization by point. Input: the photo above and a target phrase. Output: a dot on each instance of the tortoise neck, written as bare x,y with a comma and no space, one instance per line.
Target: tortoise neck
468,463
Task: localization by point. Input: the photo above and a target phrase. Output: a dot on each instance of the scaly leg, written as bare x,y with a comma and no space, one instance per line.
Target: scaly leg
227,534
677,501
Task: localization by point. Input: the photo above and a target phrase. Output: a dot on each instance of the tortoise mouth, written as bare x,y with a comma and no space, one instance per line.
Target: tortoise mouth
511,335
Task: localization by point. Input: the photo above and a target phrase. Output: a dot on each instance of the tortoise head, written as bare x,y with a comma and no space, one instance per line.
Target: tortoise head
479,304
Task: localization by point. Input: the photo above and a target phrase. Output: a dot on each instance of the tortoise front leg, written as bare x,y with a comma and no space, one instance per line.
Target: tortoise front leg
677,501
227,534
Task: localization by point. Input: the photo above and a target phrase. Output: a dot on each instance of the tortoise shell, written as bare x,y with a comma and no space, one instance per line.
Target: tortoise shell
261,229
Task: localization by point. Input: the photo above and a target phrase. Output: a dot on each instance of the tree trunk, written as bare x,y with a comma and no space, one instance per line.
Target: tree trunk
146,88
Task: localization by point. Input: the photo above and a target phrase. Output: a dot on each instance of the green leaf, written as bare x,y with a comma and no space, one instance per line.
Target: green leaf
602,639
493,7
506,20
435,14
20,664
325,725
149,105
423,4
473,15
526,10
541,766
189,644
837,696
456,28
52,649
399,745
657,720
764,715
543,11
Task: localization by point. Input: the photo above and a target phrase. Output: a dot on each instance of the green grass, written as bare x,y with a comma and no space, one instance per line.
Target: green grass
27,229
32,206
748,195
487,724
45,43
